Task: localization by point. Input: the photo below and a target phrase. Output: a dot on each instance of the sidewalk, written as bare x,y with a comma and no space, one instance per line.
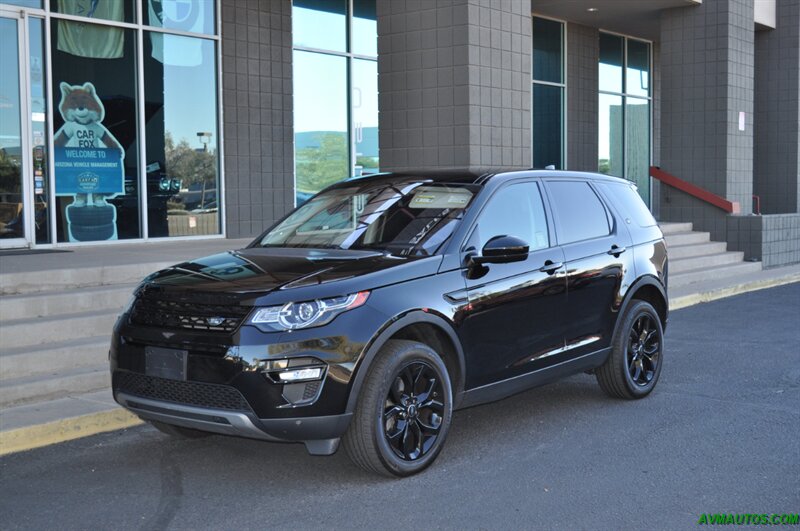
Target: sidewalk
39,424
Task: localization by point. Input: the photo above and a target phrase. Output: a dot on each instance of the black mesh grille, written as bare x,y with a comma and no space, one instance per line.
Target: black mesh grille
189,393
159,311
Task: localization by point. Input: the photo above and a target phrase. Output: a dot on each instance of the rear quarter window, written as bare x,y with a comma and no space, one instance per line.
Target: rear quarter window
629,204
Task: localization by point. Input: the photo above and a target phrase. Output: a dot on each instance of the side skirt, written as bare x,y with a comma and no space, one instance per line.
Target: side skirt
505,388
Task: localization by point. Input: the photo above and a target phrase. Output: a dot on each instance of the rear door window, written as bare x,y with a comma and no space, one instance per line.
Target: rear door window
579,212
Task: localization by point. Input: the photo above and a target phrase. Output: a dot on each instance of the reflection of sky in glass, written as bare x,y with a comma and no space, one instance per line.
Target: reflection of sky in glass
190,91
365,36
325,30
9,85
320,92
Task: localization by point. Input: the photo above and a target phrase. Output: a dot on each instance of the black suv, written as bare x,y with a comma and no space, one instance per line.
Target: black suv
375,309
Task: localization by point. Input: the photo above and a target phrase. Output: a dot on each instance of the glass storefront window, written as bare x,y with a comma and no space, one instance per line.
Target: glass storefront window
39,117
637,74
624,110
320,24
194,16
96,141
336,122
182,141
611,59
36,4
11,220
365,116
320,122
365,28
114,10
547,117
548,50
547,106
637,144
610,135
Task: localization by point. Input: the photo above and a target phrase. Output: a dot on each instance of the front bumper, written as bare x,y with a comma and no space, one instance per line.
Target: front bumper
225,390
320,434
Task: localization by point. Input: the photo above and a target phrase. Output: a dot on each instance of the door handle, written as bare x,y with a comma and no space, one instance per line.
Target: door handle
551,267
616,250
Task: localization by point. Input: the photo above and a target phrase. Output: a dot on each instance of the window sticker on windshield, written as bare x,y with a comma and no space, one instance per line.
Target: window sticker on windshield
440,198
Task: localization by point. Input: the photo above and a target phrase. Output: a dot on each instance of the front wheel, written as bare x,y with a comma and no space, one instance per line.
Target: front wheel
634,364
404,412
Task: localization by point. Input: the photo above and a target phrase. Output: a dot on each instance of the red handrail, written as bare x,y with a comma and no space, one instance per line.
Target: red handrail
731,207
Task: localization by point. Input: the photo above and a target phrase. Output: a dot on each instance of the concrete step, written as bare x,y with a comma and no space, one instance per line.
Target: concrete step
672,227
38,388
686,238
696,249
72,278
709,262
53,329
717,273
50,303
54,358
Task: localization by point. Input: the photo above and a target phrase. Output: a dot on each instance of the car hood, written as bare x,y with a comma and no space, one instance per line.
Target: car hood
277,275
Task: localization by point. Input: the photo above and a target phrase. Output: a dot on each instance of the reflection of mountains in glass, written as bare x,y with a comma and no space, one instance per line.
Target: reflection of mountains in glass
368,147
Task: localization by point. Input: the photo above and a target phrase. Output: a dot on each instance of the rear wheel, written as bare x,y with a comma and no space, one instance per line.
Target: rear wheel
178,431
634,364
404,412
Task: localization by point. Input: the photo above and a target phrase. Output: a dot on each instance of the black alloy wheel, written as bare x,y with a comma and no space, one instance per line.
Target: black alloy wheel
636,358
413,414
404,409
644,350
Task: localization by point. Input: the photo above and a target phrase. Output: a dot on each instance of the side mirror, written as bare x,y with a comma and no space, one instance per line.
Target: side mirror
502,250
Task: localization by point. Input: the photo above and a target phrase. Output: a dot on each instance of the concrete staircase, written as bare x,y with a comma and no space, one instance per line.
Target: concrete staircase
55,342
693,257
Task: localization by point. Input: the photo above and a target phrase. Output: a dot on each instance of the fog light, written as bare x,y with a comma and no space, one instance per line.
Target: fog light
301,374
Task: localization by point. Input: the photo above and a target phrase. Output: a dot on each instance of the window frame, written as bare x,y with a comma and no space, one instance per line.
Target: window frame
625,96
563,86
50,17
350,58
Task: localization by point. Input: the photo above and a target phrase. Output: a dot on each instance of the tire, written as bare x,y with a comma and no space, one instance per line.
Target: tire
91,223
389,406
178,431
634,366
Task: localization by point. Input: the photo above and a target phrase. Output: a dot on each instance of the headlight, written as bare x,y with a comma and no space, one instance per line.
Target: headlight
296,315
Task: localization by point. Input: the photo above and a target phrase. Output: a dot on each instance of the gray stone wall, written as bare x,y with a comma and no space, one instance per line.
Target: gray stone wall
583,48
772,239
257,113
454,84
706,80
777,112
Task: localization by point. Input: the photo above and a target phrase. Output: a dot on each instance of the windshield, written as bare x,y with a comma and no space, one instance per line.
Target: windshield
410,218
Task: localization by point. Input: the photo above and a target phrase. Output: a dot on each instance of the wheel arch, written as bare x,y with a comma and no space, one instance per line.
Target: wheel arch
417,325
648,289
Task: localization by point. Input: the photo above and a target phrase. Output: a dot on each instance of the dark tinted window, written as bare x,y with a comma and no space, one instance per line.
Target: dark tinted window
627,200
515,210
580,213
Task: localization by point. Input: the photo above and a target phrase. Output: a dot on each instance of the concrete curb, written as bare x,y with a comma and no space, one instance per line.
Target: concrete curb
59,431
708,296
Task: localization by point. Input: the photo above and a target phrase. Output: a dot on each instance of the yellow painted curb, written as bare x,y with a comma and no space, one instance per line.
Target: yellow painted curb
58,431
699,298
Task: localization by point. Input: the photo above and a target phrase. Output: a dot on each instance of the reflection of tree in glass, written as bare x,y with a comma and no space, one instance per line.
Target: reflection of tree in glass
322,165
188,164
604,166
9,172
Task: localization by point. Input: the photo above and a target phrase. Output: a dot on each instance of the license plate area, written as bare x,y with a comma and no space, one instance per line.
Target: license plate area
166,363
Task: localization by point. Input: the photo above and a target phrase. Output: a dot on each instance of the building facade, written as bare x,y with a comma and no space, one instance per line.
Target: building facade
134,120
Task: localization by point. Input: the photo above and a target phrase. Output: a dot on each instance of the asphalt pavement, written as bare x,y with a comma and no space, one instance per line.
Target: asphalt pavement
721,433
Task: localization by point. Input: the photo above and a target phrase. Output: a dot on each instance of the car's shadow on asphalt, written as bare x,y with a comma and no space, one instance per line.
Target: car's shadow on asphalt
532,416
